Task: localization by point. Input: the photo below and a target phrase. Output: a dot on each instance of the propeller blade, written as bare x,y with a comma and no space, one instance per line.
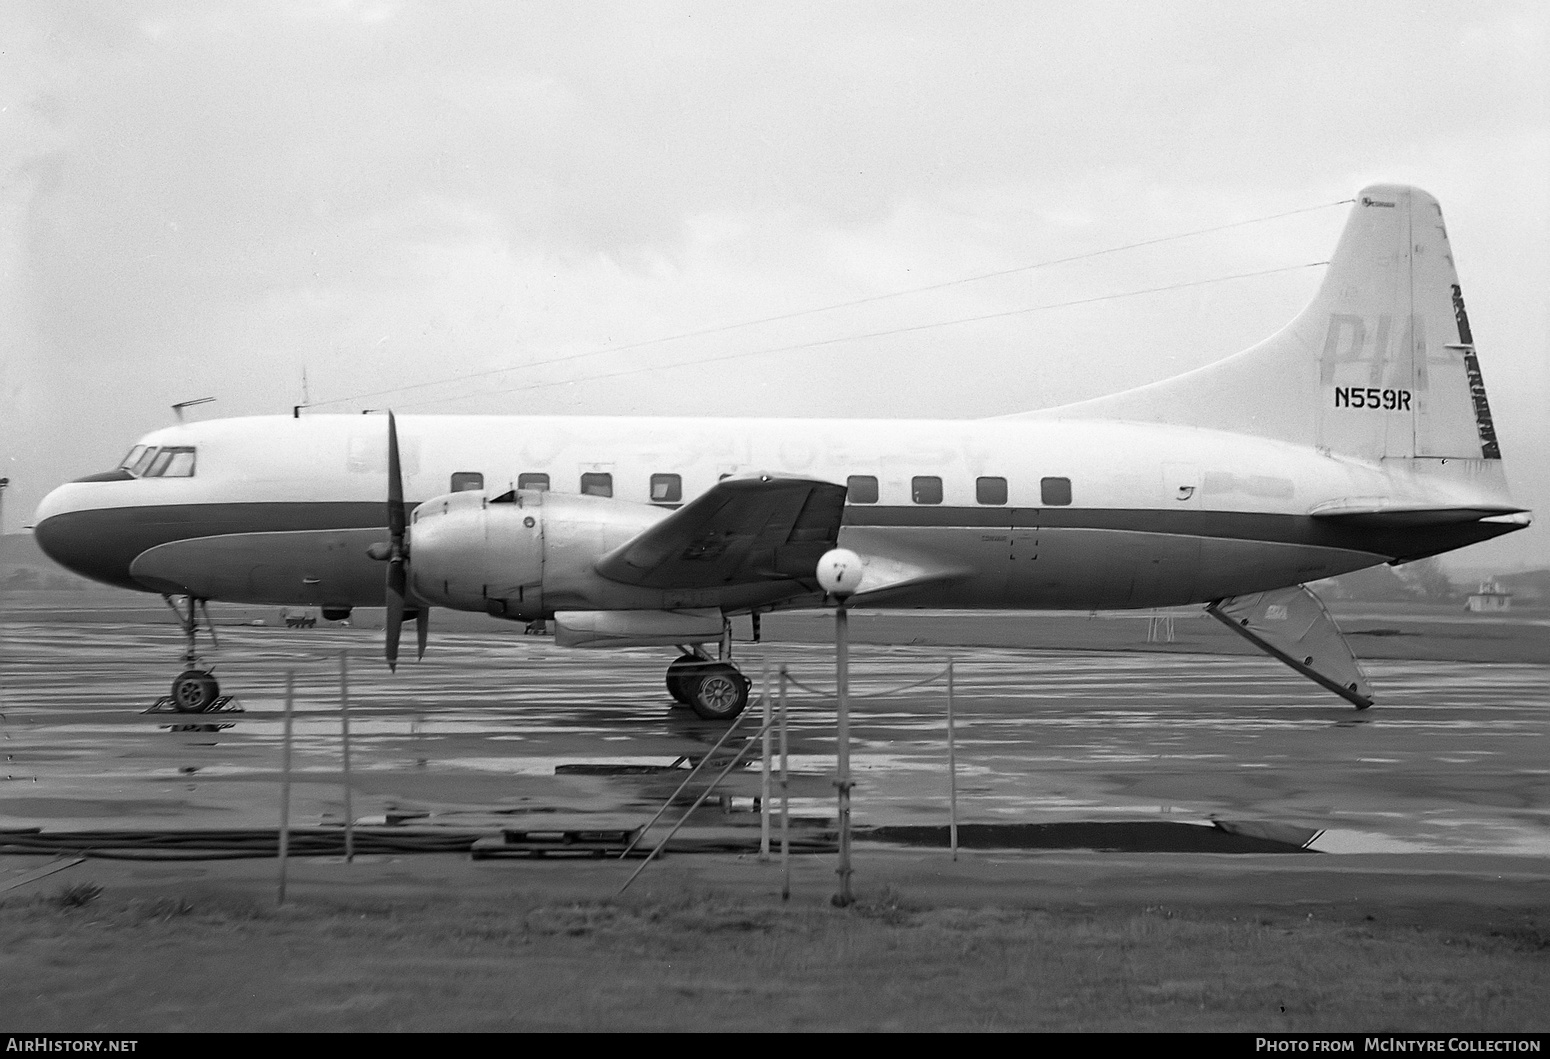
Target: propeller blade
395,510
422,627
398,554
394,622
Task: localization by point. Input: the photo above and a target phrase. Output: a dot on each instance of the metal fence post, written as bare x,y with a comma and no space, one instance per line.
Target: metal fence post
285,782
842,761
952,768
344,722
764,780
785,796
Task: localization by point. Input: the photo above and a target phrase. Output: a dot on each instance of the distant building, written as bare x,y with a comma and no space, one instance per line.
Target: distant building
1489,597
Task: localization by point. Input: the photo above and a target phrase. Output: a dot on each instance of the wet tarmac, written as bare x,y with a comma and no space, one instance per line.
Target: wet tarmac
499,729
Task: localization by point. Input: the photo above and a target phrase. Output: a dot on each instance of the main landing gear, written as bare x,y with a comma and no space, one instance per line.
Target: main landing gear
195,690
715,691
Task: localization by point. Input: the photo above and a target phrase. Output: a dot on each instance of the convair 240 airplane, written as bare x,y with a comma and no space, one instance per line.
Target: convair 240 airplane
1357,435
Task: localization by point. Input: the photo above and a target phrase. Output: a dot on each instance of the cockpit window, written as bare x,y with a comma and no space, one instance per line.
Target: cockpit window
181,465
134,457
147,454
171,463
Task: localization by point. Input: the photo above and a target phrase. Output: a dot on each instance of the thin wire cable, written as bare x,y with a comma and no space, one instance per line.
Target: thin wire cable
722,328
876,694
719,358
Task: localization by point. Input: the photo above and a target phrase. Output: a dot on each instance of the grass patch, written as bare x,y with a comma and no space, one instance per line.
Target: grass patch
884,964
76,895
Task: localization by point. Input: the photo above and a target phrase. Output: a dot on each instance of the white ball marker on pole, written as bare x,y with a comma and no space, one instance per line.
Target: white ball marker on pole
839,573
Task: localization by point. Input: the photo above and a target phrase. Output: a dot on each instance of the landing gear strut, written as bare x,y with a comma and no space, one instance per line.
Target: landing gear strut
194,690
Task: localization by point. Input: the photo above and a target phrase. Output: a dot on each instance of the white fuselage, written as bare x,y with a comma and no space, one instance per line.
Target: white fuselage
1095,514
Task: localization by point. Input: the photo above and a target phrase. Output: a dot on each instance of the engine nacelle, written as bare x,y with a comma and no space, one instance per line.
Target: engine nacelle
519,554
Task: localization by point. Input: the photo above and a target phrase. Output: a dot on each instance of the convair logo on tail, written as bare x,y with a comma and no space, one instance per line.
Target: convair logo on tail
1375,202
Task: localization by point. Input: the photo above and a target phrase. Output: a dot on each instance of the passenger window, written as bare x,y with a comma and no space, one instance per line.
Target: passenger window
666,488
1055,491
466,481
990,490
926,490
861,489
533,481
596,484
181,465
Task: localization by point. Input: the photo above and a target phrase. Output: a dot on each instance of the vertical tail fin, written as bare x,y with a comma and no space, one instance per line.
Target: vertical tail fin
1380,364
1398,375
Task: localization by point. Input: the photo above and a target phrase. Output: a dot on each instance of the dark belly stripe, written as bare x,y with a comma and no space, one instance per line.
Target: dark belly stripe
102,543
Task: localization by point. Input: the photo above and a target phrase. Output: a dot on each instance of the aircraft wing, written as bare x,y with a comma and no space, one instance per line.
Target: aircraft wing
742,530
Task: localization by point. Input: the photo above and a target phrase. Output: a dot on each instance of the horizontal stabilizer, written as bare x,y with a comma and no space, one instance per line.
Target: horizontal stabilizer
1378,514
1292,625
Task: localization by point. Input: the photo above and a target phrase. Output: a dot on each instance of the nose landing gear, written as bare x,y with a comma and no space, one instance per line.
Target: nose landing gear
195,690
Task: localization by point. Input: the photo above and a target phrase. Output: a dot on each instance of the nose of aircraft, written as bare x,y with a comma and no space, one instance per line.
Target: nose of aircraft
77,527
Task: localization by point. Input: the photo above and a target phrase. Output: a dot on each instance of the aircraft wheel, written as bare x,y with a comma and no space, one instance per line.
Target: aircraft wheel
194,691
681,674
719,693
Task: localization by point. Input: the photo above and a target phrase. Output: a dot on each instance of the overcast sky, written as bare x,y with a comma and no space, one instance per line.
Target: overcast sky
204,199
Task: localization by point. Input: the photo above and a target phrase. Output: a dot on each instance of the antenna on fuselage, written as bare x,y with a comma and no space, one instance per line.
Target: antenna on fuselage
177,409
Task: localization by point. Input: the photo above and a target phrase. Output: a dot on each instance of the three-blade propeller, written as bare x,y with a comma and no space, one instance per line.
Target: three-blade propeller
397,556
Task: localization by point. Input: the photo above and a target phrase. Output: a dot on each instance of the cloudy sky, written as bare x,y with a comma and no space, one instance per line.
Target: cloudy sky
563,207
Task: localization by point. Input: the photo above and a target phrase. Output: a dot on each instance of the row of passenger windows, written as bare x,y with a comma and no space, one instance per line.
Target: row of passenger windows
860,488
148,461
665,488
927,489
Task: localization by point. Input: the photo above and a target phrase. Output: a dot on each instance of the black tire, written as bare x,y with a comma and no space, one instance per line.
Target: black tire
194,691
681,674
719,692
